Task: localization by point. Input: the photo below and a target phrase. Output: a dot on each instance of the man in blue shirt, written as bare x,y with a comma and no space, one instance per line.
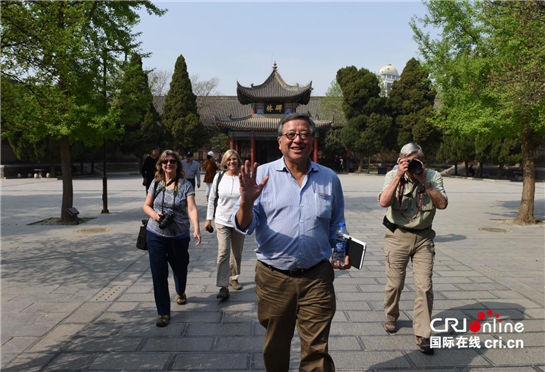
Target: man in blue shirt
295,206
191,169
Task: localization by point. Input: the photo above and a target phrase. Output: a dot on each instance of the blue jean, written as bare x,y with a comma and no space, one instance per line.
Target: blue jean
164,251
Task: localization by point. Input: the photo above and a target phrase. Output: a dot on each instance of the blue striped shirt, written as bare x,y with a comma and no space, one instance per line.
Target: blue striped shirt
295,225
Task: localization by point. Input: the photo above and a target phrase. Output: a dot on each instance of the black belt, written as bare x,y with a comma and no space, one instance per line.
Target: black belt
392,227
293,272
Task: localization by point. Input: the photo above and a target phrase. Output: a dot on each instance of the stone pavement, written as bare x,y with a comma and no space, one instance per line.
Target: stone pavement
74,301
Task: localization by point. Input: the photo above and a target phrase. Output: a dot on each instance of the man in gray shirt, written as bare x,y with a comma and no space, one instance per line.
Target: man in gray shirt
191,169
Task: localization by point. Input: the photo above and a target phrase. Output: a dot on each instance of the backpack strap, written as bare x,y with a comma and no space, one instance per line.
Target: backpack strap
217,193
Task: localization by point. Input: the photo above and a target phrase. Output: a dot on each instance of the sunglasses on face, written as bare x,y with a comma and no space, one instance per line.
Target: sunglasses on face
171,161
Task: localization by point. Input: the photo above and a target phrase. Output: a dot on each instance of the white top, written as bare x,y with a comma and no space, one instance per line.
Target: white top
229,192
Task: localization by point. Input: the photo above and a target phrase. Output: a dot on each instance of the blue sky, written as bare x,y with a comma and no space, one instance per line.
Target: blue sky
309,41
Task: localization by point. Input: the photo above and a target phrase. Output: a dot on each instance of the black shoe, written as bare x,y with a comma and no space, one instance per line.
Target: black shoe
424,345
162,321
224,293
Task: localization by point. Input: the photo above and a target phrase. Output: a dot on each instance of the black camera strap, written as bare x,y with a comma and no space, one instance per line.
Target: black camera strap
165,185
419,195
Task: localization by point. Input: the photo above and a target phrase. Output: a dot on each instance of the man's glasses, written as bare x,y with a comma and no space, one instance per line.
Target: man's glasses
171,161
291,135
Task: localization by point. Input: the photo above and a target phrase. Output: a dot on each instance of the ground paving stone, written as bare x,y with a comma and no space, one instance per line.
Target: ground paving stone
106,289
206,361
128,361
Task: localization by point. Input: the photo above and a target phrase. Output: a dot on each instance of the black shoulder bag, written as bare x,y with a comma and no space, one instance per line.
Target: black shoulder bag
141,240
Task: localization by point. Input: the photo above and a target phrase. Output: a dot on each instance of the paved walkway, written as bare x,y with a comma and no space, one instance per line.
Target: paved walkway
77,301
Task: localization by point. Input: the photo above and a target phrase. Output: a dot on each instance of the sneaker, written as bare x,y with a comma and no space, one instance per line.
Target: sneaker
390,327
424,345
162,321
181,300
235,284
224,293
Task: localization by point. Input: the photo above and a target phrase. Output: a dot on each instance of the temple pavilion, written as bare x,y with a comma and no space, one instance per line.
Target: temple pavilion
251,118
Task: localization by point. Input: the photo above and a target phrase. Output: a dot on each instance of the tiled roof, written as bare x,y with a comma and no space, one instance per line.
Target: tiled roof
261,123
227,109
223,107
274,88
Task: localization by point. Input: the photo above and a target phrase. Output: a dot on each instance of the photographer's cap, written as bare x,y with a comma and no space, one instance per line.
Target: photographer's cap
189,154
211,153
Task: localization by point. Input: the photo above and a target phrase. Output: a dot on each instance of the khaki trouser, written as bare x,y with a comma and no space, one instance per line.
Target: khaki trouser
228,264
306,301
419,247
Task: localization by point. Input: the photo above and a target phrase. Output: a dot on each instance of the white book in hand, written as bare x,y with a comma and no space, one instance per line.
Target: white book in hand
355,249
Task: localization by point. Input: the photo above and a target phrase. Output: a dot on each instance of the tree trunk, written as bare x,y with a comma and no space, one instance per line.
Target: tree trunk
360,165
480,169
67,187
455,169
369,166
467,168
82,171
526,210
52,167
500,167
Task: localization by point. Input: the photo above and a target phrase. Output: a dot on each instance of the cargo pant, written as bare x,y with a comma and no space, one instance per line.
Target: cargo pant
306,302
399,247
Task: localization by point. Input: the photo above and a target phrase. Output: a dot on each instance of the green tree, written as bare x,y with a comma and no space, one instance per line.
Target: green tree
412,100
456,148
59,51
368,129
219,143
488,62
139,119
500,151
330,108
180,115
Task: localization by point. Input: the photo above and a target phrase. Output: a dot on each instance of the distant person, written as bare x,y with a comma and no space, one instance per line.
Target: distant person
210,169
412,195
295,207
230,242
150,167
471,171
341,165
192,170
171,210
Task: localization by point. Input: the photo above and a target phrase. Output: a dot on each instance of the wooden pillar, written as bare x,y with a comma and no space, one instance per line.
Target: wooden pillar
315,154
232,142
252,156
237,147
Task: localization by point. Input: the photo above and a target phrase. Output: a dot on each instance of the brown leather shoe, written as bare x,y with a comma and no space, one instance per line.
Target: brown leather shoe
235,284
162,321
424,345
390,327
181,300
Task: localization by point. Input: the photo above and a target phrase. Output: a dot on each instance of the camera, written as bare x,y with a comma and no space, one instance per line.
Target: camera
415,166
166,219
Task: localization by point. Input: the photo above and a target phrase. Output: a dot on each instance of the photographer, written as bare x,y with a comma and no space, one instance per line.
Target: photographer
170,211
412,194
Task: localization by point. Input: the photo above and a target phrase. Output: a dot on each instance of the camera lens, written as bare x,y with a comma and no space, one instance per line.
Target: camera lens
415,166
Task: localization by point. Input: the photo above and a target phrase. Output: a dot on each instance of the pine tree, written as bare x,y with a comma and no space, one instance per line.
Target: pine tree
139,118
180,116
369,127
412,100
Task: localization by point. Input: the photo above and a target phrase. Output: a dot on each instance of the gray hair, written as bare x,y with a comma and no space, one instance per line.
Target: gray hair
285,119
411,148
